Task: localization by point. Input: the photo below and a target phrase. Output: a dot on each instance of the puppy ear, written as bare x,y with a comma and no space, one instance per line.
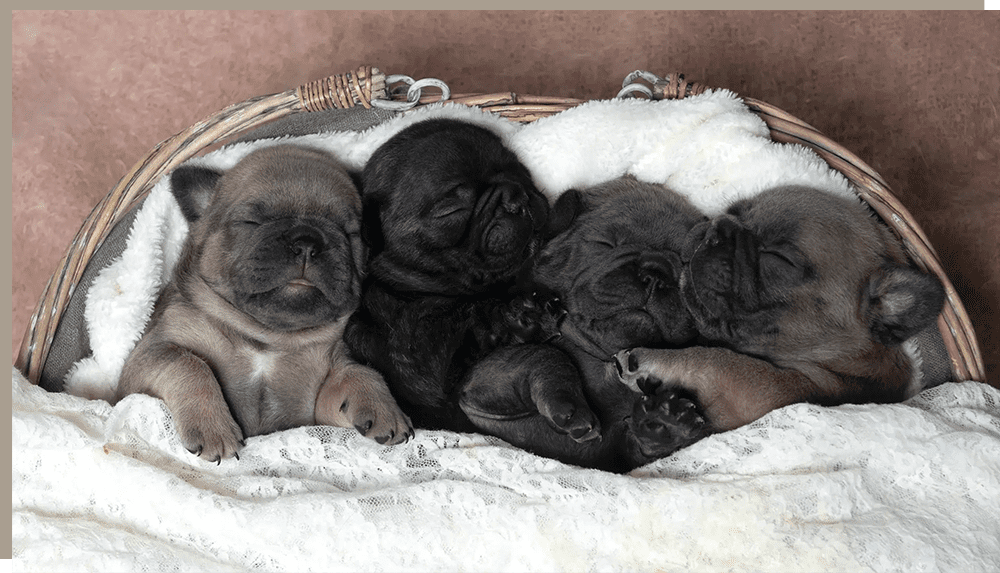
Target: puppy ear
568,207
371,226
902,301
357,179
194,187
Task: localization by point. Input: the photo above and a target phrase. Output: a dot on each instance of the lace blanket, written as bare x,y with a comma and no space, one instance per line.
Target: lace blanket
904,487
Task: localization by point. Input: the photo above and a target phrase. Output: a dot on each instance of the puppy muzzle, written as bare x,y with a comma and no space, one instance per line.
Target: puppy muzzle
508,223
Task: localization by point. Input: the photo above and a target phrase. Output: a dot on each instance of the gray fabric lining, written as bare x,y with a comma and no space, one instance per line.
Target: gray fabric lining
353,119
71,342
935,362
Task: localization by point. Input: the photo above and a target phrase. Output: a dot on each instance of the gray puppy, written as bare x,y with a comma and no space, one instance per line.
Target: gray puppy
246,337
798,296
610,276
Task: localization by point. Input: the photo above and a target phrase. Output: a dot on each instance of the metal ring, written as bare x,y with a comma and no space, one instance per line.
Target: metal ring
634,88
413,92
648,76
629,84
445,92
398,79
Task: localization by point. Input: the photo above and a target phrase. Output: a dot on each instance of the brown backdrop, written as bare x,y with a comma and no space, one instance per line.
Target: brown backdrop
913,94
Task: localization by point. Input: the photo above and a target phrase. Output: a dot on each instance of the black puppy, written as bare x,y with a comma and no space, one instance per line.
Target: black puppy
451,217
615,271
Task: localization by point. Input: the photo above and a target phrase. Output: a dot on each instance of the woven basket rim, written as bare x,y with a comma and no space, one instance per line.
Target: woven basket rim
359,88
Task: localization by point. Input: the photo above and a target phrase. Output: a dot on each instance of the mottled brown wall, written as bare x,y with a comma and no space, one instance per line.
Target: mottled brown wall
913,94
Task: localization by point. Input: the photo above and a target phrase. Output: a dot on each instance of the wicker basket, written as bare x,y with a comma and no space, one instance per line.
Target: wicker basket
368,84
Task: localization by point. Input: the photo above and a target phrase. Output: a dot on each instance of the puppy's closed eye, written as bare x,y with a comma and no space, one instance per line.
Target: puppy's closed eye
783,264
601,241
458,201
450,209
774,256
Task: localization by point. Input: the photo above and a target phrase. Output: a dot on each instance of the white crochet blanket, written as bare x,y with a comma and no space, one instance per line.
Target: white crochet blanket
906,487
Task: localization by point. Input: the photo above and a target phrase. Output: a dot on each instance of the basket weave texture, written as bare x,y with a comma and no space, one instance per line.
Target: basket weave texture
367,84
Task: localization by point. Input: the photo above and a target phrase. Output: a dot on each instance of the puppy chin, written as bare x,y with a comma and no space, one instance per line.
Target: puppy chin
296,306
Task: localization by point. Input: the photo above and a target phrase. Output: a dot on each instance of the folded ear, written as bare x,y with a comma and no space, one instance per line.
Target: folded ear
902,301
371,226
568,207
554,266
194,187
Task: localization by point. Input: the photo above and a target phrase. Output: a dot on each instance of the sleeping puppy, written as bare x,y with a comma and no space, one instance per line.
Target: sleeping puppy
246,337
798,296
614,270
451,217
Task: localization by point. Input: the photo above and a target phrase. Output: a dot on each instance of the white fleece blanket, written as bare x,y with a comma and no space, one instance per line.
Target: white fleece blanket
906,487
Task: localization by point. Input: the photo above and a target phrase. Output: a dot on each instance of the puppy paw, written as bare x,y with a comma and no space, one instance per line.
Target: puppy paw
359,398
377,419
571,418
209,431
666,420
531,317
637,371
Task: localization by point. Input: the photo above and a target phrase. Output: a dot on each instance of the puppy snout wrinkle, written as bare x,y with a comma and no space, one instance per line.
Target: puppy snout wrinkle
656,270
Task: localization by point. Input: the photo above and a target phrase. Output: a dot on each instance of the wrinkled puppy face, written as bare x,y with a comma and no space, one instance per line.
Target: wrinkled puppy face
449,209
617,265
799,276
277,236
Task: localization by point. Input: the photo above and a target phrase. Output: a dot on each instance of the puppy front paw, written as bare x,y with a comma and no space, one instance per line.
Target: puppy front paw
642,369
666,420
378,419
570,417
359,398
532,317
208,430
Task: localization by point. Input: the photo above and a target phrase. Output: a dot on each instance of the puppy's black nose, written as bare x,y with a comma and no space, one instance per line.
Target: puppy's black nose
304,241
513,198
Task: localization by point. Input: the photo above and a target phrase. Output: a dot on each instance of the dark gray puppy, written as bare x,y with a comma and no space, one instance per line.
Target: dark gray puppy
246,337
798,296
615,271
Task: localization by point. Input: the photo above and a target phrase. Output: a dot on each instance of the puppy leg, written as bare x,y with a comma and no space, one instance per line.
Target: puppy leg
733,389
355,396
515,384
192,394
